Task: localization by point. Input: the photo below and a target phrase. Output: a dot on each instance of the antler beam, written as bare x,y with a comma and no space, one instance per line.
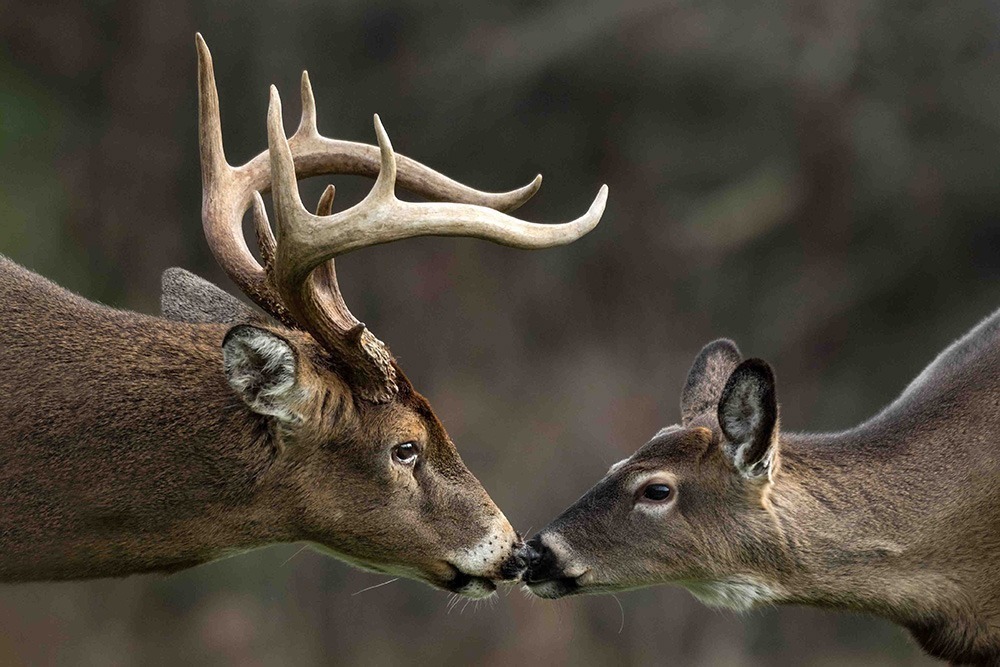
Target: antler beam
227,191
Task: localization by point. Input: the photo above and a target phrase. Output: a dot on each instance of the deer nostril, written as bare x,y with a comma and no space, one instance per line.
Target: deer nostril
531,552
517,562
543,564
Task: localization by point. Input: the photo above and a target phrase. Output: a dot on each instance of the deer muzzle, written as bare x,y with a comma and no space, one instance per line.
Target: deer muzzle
547,574
496,557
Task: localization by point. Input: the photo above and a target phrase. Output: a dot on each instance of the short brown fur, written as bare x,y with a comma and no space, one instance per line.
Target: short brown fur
898,517
134,444
123,450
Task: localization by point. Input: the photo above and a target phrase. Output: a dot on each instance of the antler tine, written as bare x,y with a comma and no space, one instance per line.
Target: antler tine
284,188
265,236
325,275
225,197
307,123
213,154
325,207
325,204
267,244
385,184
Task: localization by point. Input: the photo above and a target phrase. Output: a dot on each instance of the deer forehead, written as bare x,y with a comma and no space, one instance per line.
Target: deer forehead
673,445
615,467
670,445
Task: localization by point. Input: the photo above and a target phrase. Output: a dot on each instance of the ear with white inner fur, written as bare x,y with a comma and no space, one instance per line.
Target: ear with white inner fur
748,416
707,377
186,297
262,369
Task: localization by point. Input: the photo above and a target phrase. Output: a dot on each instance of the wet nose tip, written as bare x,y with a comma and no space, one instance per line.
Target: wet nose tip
519,560
541,562
532,552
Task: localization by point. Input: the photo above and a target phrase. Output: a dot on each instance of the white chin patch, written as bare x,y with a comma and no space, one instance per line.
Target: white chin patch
738,594
485,558
477,589
549,590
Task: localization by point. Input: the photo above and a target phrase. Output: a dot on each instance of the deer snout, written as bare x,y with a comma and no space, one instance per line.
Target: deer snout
546,574
495,556
517,562
541,561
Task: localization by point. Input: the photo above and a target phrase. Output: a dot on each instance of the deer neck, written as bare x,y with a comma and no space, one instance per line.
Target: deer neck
866,527
127,454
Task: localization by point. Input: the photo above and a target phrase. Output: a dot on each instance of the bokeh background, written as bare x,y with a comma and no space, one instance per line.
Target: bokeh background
817,180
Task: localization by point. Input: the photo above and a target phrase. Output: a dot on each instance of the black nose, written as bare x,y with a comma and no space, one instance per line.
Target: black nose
542,562
516,563
530,551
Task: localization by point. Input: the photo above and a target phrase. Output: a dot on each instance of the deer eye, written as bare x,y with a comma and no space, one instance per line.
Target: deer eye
405,453
656,493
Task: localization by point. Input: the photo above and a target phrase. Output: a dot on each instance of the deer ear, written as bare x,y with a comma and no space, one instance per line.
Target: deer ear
262,369
748,417
187,298
708,375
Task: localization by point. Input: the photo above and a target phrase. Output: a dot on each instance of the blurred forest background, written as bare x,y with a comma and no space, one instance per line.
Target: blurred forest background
817,180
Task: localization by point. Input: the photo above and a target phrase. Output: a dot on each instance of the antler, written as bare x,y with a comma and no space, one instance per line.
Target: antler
309,241
228,191
298,283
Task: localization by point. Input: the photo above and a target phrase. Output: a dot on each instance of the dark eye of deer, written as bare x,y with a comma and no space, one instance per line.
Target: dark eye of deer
406,453
656,492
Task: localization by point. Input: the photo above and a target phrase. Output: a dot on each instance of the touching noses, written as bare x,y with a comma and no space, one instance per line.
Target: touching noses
515,564
540,562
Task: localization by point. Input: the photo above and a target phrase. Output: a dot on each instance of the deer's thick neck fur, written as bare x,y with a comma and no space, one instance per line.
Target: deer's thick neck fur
900,515
93,395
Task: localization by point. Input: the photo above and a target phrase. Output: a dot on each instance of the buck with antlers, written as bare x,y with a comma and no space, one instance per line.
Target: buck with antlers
898,517
131,443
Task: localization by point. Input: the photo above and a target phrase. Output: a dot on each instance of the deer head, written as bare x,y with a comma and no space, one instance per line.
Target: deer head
374,476
689,507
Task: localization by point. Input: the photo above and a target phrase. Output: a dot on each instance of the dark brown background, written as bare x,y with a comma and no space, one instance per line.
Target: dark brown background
817,180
